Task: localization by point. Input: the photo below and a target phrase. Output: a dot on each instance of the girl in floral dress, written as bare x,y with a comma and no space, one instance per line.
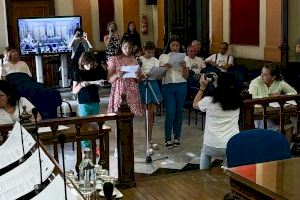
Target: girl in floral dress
120,85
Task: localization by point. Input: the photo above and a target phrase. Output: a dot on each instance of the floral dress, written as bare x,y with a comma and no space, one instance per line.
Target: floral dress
127,86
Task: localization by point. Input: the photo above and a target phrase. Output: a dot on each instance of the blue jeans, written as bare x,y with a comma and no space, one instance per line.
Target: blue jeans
174,97
86,110
207,152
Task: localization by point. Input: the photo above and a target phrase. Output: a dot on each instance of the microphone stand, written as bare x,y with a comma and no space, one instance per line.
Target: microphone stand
148,156
41,186
22,139
62,138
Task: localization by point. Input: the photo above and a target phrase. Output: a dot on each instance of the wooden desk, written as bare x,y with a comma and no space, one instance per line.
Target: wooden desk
270,180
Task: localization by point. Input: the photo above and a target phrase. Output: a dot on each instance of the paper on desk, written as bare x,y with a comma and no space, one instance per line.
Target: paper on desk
156,73
11,151
22,179
288,103
130,69
48,129
56,189
175,59
129,75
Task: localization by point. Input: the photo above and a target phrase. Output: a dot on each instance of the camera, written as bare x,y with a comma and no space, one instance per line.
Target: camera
210,77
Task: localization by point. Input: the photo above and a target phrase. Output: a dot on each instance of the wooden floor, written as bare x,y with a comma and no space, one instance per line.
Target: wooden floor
205,184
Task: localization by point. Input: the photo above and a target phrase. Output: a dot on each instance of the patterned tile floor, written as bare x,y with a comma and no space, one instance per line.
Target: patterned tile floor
172,159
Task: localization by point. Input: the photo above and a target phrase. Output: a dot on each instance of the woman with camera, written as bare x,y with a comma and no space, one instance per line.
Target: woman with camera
112,40
222,115
78,45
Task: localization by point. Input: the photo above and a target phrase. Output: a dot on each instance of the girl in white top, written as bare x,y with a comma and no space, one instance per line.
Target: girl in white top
14,65
174,91
149,90
222,116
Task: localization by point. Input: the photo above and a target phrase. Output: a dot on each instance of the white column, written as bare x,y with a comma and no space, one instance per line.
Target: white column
64,70
39,69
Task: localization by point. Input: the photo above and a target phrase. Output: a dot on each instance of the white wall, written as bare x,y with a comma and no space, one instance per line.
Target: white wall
246,51
3,31
63,8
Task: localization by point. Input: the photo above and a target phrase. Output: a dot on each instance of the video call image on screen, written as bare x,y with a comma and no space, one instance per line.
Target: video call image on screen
46,35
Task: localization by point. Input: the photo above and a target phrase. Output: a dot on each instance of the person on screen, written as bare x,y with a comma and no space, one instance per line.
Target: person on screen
78,44
14,65
88,96
149,90
47,49
10,104
121,85
174,91
29,42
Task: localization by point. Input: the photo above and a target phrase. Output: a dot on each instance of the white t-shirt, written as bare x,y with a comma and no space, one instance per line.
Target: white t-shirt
148,64
220,60
195,64
172,75
20,66
220,125
6,118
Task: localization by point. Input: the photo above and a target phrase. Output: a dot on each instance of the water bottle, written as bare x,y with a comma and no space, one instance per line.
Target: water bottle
87,174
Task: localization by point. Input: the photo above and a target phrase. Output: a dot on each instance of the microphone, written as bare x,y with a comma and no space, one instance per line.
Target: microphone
22,140
62,138
41,186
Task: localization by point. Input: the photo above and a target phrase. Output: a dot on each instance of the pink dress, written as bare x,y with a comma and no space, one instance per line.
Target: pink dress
128,86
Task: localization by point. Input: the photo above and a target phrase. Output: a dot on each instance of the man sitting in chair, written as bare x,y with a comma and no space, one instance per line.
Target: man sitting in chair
221,60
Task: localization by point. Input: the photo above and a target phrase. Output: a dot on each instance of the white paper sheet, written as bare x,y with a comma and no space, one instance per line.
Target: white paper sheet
22,179
129,75
130,69
48,129
56,190
97,82
175,59
12,150
288,103
156,73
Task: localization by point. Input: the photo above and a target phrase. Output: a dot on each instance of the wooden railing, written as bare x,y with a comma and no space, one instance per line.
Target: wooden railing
124,126
249,113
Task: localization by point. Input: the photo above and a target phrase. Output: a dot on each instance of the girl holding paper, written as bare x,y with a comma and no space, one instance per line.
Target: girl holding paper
149,90
121,85
88,96
174,89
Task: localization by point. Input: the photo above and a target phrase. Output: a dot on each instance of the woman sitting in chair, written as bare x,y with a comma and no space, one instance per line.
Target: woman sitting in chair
14,65
271,84
11,106
222,116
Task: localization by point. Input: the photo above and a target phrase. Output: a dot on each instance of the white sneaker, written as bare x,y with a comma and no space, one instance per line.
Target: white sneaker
155,146
150,151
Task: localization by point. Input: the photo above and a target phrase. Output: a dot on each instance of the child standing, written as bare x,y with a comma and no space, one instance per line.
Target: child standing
153,95
174,91
88,96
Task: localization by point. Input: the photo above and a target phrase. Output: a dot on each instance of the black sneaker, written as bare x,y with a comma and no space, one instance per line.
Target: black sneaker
176,142
169,144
